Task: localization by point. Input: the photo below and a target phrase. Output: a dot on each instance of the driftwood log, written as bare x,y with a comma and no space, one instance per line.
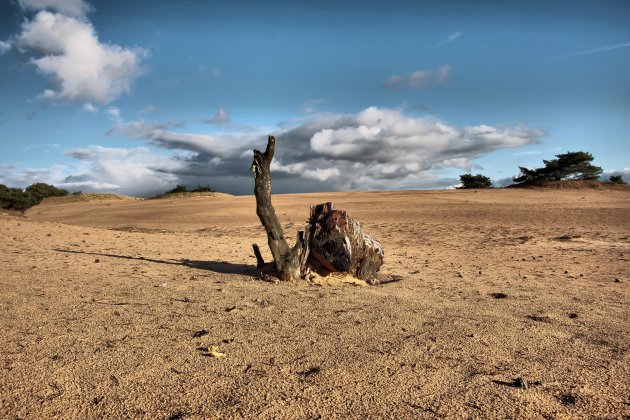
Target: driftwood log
331,242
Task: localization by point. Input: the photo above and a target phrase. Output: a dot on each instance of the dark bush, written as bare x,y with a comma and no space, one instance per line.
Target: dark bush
178,189
203,188
40,191
22,200
616,179
475,181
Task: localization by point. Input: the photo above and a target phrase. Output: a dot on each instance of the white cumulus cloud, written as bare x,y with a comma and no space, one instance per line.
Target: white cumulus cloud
388,135
127,171
82,68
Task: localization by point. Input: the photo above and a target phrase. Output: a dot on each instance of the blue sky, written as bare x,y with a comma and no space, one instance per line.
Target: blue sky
136,97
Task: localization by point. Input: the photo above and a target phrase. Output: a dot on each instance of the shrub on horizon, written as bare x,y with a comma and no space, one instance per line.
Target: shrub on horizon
21,200
40,191
203,188
616,179
180,188
470,181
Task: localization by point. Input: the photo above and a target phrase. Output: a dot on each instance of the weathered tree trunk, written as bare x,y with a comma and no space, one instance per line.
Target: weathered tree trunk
333,242
339,244
290,263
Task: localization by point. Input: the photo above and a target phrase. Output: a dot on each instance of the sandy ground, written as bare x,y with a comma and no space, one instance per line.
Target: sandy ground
117,308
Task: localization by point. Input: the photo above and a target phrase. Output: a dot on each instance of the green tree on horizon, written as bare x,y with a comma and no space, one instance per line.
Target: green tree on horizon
470,181
566,166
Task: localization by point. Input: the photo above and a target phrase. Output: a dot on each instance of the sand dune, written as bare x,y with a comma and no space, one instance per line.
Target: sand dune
118,308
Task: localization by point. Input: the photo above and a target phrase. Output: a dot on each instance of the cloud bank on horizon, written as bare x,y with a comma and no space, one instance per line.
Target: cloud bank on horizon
383,144
376,148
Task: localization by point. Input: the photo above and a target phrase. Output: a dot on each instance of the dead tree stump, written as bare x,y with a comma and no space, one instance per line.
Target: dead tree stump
338,244
331,242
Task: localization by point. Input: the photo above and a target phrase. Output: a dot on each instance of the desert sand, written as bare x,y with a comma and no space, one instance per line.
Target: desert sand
121,308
